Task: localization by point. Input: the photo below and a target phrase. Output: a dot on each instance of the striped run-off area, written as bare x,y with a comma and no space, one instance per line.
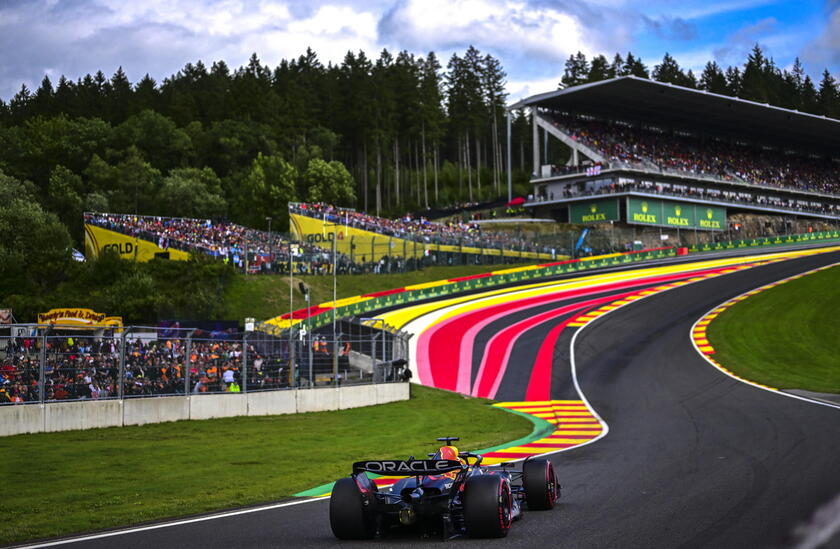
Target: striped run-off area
573,423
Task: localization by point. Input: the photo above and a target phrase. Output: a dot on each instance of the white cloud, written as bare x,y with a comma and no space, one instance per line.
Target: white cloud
520,89
521,29
532,38
825,48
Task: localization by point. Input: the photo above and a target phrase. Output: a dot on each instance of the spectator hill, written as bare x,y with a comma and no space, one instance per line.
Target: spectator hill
677,157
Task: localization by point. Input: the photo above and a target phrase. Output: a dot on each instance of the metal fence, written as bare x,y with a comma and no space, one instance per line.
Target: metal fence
53,363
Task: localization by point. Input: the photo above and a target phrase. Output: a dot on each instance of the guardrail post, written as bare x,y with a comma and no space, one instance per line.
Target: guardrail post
373,370
188,362
42,367
121,384
291,353
245,362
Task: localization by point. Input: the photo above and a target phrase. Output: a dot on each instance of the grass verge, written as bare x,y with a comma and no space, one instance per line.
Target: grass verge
267,296
60,483
784,337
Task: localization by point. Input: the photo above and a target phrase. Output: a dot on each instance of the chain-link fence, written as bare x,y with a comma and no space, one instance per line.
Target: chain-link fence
54,363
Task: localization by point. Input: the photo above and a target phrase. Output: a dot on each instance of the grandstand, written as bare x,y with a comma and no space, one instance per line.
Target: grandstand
651,154
366,243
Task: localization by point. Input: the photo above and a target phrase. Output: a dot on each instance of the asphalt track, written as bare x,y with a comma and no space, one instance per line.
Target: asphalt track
693,458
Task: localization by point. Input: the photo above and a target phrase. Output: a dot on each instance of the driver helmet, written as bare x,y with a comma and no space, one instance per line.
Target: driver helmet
450,453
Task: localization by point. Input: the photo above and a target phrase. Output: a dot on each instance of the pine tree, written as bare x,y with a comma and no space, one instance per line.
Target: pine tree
810,97
617,68
434,117
827,95
669,71
577,70
599,69
713,80
634,67
118,97
733,81
493,84
754,85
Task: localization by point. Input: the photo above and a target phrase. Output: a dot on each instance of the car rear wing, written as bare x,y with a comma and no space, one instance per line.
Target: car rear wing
408,468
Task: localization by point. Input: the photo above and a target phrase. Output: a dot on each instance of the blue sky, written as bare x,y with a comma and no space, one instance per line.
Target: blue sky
531,37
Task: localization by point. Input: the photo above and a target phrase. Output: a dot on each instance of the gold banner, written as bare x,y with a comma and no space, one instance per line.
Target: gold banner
369,246
98,240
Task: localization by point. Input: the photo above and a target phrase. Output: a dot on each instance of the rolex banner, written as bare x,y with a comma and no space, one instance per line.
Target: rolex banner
676,215
594,211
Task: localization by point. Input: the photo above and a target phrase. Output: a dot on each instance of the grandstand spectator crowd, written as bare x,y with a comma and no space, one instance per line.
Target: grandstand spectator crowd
756,198
88,368
260,252
419,229
652,148
233,243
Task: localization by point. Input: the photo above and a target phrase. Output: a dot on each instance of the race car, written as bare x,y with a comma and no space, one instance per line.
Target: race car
450,494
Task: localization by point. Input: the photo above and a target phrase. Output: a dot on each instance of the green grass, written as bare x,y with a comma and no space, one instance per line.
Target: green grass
60,483
785,337
267,296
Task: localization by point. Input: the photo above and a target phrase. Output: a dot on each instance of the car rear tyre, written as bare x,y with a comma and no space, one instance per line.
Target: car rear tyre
540,483
351,510
488,506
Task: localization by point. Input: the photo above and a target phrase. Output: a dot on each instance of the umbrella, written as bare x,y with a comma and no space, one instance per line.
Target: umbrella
516,201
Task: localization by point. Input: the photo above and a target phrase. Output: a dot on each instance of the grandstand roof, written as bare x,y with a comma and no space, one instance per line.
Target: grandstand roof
630,97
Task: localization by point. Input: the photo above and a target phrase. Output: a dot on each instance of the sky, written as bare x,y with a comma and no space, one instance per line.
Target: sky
532,38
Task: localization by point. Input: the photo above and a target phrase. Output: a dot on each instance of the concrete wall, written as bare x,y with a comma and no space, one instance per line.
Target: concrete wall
139,411
360,395
90,414
221,405
318,400
268,403
21,418
66,416
391,392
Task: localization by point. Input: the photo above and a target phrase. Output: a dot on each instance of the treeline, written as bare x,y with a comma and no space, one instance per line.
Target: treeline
388,135
760,79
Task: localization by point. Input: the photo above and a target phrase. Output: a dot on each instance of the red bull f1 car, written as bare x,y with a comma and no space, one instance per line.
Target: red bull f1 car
450,494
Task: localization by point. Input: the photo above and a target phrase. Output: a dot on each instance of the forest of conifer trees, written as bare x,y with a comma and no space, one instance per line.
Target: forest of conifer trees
386,135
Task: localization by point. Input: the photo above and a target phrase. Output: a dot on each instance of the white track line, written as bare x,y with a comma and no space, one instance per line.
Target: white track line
746,381
168,524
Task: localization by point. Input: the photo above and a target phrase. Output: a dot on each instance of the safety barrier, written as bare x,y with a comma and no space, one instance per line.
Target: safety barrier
90,414
321,314
781,240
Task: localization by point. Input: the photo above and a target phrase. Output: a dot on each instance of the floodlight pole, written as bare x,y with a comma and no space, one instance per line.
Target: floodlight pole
509,163
291,311
335,340
270,244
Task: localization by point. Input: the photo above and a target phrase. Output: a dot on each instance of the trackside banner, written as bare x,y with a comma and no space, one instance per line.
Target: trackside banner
97,240
766,241
369,246
675,215
76,317
594,211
